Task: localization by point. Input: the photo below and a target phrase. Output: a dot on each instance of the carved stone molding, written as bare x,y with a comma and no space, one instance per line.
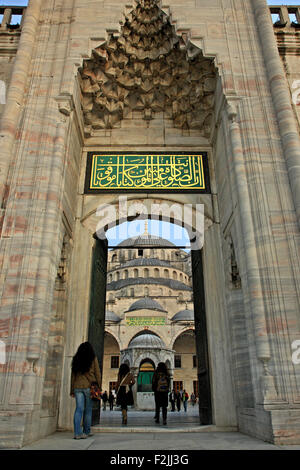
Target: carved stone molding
65,104
148,68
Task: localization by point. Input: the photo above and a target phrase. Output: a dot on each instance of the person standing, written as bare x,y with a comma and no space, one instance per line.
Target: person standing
124,392
160,386
185,397
111,399
178,401
85,371
172,398
104,399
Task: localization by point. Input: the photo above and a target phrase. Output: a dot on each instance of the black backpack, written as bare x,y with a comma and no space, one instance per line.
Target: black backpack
162,383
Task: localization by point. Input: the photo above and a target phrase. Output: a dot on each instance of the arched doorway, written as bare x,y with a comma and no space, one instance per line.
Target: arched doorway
111,359
185,375
146,371
143,305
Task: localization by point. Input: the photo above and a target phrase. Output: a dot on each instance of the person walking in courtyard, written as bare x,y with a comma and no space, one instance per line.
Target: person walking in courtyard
85,371
104,399
160,387
124,392
111,400
185,398
172,398
178,401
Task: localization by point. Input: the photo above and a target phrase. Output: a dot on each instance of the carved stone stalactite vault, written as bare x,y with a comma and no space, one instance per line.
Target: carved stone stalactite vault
148,68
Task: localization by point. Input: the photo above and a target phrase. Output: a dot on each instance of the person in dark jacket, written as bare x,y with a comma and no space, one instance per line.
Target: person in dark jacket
123,387
160,387
104,400
172,398
178,401
85,371
111,400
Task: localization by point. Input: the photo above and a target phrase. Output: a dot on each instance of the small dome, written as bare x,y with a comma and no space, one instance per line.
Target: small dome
146,302
146,341
184,315
111,316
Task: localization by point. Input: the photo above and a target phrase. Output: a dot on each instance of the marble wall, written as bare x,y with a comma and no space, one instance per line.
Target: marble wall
253,149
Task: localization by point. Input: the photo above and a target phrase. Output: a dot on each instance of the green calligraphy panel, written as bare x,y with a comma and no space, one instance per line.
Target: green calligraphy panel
145,321
147,172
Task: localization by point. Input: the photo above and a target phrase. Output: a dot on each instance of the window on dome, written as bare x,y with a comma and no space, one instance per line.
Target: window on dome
140,252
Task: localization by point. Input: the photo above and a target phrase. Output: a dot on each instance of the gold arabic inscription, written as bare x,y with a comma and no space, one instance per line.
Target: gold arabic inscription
147,172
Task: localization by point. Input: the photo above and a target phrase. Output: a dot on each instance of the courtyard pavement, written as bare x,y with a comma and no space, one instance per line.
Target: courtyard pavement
182,432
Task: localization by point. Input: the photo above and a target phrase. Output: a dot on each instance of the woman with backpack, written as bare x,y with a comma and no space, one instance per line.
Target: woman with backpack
124,392
160,387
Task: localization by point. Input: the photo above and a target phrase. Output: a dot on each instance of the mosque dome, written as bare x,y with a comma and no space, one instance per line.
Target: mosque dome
184,315
146,240
146,341
146,302
112,317
145,262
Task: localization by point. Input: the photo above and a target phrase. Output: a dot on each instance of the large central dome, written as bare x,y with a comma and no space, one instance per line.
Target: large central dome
146,240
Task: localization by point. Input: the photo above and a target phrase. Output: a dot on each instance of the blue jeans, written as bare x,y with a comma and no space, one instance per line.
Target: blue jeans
83,411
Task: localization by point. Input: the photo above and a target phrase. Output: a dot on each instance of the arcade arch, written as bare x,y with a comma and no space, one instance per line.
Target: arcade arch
194,131
91,223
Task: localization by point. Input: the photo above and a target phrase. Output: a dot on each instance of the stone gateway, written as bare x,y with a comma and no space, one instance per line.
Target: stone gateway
216,78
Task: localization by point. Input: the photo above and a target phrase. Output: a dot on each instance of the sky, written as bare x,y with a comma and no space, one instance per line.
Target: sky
283,2
164,230
15,3
270,2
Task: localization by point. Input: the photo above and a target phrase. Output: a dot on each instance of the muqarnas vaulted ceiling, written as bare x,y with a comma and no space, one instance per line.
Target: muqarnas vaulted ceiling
148,68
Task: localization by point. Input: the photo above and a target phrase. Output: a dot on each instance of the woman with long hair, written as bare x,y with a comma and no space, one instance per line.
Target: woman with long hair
124,393
85,371
160,387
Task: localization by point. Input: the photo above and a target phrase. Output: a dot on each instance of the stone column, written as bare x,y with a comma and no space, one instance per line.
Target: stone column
252,266
16,92
6,18
281,98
